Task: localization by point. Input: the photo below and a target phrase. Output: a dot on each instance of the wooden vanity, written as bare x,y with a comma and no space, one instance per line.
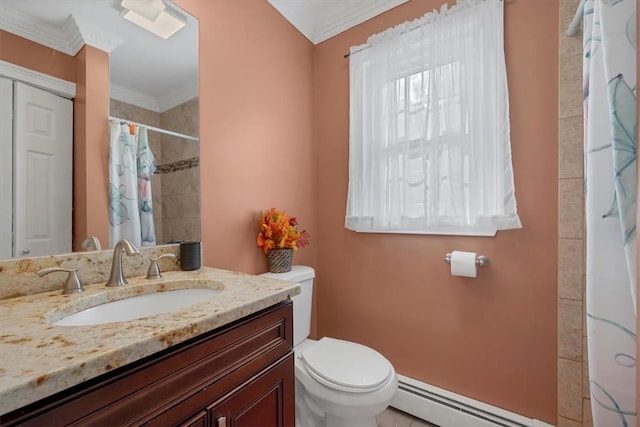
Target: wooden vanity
224,361
240,374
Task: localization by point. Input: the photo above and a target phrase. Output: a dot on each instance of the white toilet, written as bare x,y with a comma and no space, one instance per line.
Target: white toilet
338,383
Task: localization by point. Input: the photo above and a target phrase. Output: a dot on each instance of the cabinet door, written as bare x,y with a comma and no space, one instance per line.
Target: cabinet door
266,400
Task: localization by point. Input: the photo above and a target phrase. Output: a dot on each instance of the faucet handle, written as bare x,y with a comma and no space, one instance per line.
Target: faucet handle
72,285
154,269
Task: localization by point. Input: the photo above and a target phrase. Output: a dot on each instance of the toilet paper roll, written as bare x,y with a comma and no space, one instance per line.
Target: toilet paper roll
463,264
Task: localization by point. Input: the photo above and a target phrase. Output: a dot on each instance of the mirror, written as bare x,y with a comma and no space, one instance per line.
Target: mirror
153,81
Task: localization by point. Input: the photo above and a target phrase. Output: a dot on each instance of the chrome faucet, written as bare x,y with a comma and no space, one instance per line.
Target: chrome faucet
117,277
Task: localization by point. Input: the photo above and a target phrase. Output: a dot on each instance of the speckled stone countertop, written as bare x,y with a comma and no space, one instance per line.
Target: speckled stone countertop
38,359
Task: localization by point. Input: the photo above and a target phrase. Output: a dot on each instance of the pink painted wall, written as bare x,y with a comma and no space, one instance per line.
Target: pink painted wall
492,338
256,134
31,55
91,147
274,132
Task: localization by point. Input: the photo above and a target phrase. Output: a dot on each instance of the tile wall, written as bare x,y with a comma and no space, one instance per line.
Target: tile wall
574,404
181,189
176,194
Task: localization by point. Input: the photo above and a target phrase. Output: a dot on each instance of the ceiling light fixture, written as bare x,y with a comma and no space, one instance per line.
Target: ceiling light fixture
153,16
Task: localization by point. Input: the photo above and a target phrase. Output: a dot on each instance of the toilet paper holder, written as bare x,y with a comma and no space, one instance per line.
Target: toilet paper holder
481,260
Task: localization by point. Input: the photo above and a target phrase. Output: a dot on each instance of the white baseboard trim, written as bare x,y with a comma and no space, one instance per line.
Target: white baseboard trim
448,409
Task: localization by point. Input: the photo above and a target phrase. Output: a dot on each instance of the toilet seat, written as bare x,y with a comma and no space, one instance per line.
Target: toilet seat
346,366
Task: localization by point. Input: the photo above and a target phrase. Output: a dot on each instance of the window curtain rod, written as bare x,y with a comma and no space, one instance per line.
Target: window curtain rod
159,130
366,46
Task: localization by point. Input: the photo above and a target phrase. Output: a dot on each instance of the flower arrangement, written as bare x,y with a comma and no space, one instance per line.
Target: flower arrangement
280,231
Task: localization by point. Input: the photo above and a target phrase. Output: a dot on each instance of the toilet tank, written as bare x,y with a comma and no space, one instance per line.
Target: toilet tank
304,276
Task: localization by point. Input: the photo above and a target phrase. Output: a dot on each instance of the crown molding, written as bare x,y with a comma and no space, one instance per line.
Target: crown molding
93,37
68,39
179,96
122,94
58,86
157,105
352,18
35,30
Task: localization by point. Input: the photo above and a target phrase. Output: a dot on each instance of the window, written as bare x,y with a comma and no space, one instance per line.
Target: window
429,148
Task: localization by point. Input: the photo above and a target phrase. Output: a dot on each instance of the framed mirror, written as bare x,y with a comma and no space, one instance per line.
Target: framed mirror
153,81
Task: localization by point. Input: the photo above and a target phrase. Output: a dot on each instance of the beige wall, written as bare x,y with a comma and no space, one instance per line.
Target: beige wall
492,338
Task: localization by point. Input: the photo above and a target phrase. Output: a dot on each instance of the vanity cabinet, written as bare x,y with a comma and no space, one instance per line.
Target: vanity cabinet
241,374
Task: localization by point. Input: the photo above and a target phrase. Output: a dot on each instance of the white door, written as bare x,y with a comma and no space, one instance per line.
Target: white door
6,171
43,143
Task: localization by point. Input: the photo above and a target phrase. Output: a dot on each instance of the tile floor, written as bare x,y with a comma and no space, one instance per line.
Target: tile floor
393,418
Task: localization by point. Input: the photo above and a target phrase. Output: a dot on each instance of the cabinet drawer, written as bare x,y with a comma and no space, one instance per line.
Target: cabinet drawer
138,392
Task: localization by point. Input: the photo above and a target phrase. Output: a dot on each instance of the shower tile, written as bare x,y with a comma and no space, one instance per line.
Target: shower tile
179,182
570,148
182,206
570,389
181,229
587,416
570,268
566,422
570,208
570,87
570,329
568,45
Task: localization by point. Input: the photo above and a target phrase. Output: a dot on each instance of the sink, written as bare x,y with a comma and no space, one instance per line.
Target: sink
138,306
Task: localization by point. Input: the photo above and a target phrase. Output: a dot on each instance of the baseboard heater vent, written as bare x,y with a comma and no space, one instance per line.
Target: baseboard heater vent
447,409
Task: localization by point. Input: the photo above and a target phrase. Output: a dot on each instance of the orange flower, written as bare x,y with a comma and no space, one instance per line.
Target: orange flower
278,231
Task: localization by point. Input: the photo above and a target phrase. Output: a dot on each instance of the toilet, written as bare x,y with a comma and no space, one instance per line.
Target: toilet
338,383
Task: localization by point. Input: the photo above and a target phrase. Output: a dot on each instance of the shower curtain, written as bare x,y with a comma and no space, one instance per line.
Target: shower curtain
131,166
610,109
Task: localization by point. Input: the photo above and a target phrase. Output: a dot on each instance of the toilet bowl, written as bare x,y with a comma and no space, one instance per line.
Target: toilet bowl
338,383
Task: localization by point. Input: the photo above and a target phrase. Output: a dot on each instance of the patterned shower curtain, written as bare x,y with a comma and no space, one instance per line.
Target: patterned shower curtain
146,167
131,166
610,108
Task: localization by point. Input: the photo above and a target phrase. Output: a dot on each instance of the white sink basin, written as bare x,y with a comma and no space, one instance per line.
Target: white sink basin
137,306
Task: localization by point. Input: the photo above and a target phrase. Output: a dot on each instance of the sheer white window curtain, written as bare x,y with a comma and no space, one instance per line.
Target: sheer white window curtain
429,148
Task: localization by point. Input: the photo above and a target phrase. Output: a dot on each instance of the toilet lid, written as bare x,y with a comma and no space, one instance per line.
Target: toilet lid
346,364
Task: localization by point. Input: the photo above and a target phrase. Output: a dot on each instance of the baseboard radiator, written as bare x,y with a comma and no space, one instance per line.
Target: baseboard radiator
447,409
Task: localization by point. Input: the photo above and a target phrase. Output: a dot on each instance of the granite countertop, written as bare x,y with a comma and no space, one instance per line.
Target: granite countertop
38,359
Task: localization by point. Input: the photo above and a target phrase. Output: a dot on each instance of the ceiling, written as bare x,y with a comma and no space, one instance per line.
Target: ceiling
146,70
320,20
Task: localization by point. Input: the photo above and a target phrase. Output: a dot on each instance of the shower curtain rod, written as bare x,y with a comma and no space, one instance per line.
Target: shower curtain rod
159,130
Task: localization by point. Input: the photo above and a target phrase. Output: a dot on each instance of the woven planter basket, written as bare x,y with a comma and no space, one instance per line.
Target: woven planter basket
279,260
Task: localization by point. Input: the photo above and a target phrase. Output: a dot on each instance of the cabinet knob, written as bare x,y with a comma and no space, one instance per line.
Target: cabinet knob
26,252
222,422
